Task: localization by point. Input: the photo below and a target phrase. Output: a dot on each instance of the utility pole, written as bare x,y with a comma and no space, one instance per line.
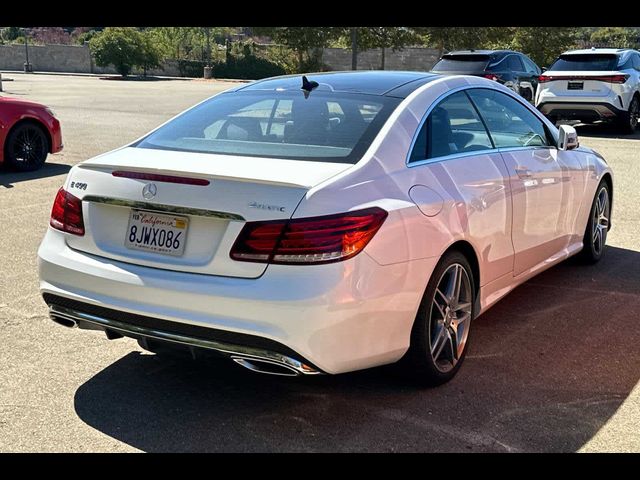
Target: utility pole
208,71
27,65
354,48
208,34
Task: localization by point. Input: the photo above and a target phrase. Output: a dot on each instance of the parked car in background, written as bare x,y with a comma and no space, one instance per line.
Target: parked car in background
598,84
512,69
29,131
364,219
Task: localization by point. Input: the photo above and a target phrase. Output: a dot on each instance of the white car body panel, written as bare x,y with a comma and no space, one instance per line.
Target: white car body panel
340,316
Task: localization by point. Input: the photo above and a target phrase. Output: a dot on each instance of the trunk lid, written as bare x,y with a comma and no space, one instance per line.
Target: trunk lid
239,189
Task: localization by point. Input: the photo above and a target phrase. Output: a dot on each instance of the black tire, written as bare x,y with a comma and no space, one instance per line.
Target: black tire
26,147
418,363
628,121
594,244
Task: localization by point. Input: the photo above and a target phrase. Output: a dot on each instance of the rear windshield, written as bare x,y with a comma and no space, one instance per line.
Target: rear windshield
325,127
461,63
596,62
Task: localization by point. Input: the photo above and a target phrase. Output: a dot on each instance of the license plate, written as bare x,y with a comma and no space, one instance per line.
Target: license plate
153,232
575,86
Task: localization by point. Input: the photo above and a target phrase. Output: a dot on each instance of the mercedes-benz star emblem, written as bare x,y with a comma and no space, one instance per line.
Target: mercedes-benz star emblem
149,190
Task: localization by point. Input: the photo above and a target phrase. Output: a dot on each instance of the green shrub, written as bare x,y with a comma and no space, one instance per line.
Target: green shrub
124,48
246,66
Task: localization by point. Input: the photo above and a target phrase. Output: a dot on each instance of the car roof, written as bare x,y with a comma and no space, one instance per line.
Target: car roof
389,83
480,52
610,51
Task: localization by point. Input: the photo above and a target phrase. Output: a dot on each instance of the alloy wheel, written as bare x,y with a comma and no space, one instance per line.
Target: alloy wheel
634,112
600,223
450,317
29,146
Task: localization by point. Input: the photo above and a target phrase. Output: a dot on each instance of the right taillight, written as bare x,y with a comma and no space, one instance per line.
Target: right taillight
306,241
615,78
66,214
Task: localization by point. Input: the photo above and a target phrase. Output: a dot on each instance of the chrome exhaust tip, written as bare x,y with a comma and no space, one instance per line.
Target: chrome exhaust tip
64,321
266,366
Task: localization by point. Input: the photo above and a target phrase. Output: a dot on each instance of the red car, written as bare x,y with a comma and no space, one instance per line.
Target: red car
29,131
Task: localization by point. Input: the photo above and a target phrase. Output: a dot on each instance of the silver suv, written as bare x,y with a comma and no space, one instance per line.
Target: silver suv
592,85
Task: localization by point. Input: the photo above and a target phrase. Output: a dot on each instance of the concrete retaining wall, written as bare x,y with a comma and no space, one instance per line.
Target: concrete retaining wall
419,59
77,59
47,58
66,58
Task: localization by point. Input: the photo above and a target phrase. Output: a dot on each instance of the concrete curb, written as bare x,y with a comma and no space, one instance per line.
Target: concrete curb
133,77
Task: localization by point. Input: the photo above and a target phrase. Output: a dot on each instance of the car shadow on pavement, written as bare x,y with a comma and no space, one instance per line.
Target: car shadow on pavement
548,366
8,178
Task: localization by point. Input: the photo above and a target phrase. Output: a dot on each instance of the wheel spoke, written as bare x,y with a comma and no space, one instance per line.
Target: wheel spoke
444,297
458,284
451,284
441,311
439,343
463,307
452,337
462,319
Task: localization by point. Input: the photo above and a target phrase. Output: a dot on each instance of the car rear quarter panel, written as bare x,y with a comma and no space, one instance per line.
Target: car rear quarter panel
472,198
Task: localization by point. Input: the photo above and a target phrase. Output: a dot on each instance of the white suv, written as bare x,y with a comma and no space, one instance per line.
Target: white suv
591,85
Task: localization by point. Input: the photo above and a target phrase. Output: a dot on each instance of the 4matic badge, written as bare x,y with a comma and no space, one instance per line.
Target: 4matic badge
264,206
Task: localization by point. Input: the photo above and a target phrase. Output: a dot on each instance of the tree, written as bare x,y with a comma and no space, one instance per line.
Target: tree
150,55
124,48
543,44
10,34
395,38
302,40
614,37
446,39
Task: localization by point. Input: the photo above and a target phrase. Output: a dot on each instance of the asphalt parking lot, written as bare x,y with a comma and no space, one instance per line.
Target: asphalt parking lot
555,366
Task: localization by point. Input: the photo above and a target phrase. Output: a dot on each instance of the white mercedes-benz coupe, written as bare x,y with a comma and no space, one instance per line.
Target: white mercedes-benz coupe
324,225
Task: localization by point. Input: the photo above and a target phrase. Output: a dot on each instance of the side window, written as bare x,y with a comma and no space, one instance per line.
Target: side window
515,64
636,61
530,67
627,64
453,126
510,123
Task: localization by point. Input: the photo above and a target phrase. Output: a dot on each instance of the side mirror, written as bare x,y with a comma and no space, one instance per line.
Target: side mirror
568,138
544,69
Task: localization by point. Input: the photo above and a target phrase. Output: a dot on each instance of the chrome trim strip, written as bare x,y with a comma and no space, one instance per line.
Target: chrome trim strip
453,156
437,101
197,212
225,348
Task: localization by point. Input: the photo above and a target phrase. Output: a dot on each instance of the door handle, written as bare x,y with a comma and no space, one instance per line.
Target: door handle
523,172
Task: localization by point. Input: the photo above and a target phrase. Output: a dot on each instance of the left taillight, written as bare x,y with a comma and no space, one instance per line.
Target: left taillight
66,214
308,241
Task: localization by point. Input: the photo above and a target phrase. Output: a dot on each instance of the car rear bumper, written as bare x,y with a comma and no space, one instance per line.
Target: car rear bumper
580,111
331,318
